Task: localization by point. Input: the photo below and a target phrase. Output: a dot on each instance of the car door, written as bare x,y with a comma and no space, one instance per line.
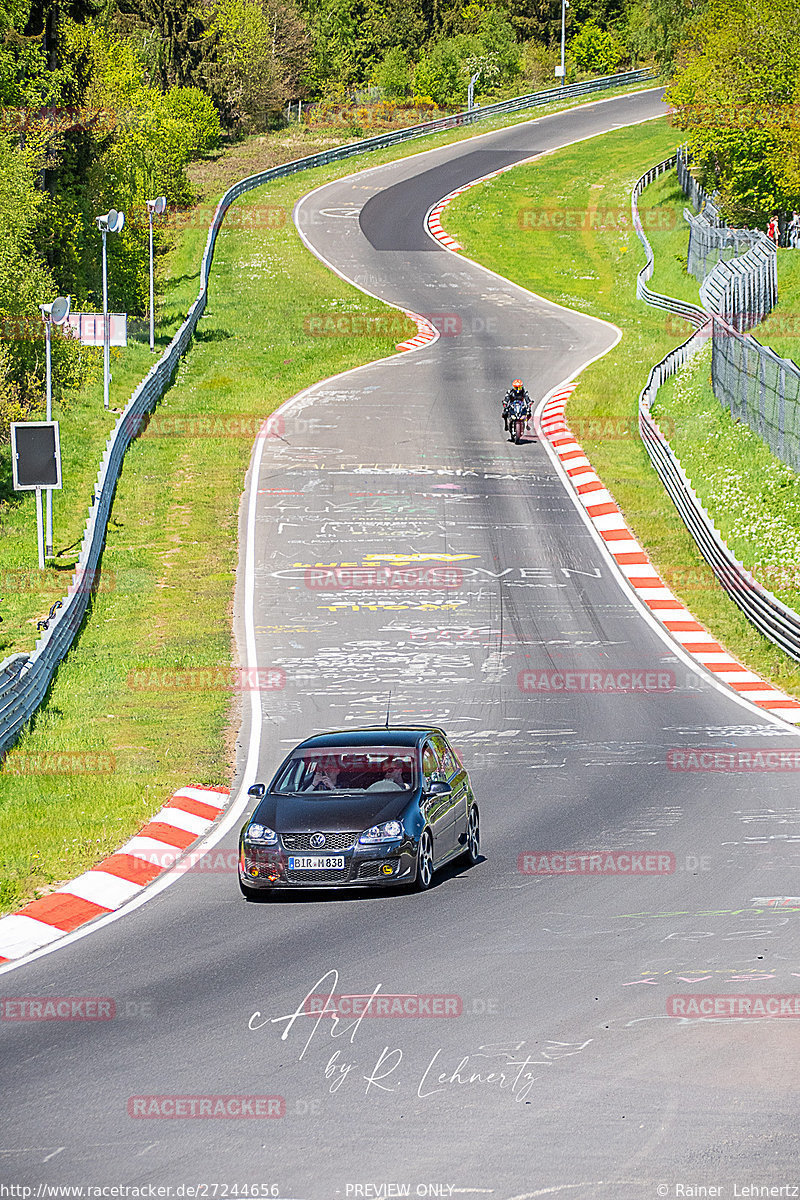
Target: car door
456,777
436,806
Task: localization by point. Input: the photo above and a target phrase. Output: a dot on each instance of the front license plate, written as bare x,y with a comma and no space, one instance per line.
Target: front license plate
316,862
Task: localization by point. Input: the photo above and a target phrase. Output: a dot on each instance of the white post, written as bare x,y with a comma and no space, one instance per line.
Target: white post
106,331
471,91
150,214
563,33
49,375
39,528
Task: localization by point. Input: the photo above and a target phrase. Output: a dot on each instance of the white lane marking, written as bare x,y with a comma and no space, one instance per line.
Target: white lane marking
237,805
138,846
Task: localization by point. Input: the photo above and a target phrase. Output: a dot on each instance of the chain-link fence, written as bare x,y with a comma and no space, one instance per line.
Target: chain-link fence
710,239
757,373
758,386
711,244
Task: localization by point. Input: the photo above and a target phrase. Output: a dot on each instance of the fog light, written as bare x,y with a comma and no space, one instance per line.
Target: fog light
254,871
387,869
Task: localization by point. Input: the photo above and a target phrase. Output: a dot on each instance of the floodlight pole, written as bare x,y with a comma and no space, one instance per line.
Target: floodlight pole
106,331
117,220
62,311
152,339
154,209
49,377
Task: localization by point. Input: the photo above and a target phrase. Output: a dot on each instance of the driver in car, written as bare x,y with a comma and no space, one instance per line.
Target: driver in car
392,777
326,776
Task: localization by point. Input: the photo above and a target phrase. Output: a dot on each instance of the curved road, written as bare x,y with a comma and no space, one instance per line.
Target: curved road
563,1071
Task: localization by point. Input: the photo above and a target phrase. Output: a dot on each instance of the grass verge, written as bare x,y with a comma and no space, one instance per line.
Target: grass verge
27,593
140,706
594,269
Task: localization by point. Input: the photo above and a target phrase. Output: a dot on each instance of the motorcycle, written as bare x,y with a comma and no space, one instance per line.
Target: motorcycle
517,418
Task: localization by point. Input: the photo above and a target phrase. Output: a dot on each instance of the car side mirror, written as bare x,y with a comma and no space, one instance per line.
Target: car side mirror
258,790
438,787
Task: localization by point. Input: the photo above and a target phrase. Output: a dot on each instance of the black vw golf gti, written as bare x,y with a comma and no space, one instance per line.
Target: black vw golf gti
366,808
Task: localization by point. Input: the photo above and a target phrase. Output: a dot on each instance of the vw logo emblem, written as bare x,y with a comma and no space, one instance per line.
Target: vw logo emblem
317,840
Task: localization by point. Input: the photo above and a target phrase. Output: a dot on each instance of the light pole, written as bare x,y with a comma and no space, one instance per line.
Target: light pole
154,208
564,7
54,313
110,222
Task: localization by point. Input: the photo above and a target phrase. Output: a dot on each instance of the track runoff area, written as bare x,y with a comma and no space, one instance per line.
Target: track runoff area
561,1013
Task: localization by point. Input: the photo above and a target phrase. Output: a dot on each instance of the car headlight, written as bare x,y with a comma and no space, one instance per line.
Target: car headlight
390,831
261,833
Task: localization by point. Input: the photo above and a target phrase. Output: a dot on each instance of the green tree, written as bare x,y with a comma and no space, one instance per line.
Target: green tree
25,283
260,48
597,50
735,92
393,74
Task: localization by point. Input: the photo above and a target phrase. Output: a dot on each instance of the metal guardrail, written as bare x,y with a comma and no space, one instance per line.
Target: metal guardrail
25,679
769,615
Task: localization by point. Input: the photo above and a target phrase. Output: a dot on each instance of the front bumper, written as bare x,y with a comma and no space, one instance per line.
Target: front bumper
389,865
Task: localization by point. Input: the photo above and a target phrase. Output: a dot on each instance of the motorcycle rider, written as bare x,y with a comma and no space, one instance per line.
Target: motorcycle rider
516,392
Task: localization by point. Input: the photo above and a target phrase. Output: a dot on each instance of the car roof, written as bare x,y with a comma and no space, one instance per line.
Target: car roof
376,735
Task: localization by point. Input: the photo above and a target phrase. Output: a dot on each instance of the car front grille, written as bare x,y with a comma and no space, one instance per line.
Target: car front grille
333,841
317,876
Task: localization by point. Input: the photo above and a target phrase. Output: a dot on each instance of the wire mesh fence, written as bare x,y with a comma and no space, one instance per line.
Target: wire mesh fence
755,384
758,373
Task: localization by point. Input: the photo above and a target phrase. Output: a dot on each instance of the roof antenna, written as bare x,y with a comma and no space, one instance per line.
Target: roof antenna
388,702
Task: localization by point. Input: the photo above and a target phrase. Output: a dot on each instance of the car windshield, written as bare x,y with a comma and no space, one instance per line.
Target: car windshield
321,771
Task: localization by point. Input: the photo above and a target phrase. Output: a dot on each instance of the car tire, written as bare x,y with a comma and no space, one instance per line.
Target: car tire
472,852
424,863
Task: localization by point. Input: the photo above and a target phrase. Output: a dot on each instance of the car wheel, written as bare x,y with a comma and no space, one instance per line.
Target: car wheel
473,850
424,863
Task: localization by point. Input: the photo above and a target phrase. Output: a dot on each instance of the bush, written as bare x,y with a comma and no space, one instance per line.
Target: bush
597,50
393,75
196,111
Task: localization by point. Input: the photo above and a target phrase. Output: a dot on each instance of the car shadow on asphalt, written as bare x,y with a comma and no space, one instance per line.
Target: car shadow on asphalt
453,870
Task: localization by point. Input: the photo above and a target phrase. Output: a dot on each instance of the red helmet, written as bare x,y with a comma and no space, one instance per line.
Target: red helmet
517,385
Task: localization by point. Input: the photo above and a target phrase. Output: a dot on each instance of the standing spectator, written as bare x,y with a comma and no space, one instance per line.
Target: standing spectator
794,231
773,229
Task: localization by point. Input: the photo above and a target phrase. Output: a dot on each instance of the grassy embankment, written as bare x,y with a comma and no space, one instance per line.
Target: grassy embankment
165,596
594,269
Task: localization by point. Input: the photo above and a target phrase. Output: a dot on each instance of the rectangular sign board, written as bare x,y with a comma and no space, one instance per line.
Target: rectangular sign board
89,328
35,455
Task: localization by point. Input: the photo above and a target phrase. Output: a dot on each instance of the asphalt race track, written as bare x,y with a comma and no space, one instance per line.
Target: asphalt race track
558,1069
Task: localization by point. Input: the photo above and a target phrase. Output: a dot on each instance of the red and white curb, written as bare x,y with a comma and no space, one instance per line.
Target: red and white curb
157,846
433,218
642,576
426,332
